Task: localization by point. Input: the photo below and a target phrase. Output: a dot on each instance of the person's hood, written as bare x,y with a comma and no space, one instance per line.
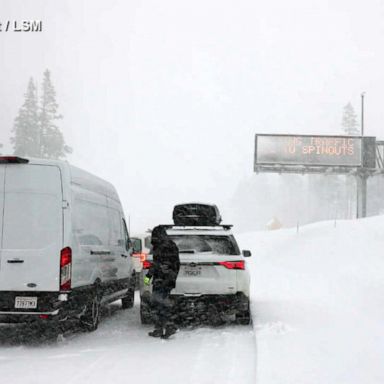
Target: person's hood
159,234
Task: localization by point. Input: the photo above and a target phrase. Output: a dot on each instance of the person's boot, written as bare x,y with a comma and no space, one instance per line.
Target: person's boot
158,332
169,331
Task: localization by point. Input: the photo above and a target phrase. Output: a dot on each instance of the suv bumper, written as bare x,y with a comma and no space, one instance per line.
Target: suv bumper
227,304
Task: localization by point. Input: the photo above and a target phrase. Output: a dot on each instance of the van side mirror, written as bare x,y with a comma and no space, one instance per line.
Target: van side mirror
136,244
129,245
247,253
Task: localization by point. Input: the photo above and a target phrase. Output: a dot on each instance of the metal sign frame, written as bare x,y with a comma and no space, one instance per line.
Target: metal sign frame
371,164
367,158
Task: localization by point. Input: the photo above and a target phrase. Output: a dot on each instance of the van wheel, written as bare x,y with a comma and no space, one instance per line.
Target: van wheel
145,314
137,283
90,320
129,300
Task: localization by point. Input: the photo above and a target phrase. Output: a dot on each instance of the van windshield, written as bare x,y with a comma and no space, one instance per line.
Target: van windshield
221,245
32,207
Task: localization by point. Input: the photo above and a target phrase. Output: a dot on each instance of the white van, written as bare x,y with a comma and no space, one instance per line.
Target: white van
64,244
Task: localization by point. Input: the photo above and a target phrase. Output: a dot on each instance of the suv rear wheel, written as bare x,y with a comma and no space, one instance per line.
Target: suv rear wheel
243,316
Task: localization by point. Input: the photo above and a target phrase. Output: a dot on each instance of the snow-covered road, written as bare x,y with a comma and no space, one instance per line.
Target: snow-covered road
120,352
318,313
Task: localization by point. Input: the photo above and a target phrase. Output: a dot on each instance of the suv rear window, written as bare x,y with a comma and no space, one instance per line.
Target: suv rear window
221,245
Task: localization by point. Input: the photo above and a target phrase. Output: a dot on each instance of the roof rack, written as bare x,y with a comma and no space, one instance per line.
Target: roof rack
192,227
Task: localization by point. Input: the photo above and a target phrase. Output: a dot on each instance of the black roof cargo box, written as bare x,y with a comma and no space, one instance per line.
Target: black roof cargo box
196,214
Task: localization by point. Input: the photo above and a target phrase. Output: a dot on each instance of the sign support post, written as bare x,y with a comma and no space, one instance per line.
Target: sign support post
362,181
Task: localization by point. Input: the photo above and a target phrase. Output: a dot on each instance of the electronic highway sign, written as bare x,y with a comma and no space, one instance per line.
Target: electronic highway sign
308,150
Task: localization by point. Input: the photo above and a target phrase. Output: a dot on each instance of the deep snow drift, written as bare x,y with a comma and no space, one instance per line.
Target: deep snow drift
318,302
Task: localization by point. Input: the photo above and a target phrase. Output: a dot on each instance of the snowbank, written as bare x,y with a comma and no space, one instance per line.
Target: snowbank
318,302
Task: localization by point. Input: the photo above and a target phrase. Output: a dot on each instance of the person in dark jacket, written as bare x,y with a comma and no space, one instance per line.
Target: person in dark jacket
163,272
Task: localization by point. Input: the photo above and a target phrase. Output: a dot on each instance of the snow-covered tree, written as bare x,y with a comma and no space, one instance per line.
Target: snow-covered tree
26,139
349,121
52,140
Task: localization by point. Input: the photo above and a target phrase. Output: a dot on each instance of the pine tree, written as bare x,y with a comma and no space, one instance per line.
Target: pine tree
349,121
52,140
1,146
26,140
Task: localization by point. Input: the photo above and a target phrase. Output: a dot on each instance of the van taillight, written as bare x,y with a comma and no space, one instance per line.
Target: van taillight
65,269
233,264
140,255
147,264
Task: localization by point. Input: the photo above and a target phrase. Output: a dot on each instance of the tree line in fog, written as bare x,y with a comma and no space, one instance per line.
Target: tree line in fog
36,131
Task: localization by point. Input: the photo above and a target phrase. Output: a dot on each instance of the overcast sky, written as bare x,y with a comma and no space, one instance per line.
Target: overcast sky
163,98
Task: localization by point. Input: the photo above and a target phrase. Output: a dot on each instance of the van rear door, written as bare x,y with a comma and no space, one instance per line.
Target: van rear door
32,228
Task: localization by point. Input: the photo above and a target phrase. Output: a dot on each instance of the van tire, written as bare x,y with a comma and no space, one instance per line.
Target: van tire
129,300
145,314
137,283
91,317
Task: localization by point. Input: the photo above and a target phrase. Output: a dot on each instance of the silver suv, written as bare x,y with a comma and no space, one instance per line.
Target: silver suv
213,282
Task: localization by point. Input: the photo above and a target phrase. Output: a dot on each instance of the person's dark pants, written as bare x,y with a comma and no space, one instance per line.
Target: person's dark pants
162,308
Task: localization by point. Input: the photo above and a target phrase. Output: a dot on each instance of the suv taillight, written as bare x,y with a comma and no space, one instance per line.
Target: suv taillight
147,264
233,264
65,269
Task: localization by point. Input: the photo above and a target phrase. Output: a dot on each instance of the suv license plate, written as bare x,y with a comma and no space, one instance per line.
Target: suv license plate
192,272
25,302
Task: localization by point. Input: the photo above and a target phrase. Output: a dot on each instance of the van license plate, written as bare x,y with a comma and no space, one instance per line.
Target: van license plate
25,302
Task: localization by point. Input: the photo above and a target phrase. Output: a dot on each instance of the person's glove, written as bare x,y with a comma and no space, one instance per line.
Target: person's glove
147,280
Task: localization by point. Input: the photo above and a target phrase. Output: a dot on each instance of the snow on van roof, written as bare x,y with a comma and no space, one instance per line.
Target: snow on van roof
35,160
80,177
94,183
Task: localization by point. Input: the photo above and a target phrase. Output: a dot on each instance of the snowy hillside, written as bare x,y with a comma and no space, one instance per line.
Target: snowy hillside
318,302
